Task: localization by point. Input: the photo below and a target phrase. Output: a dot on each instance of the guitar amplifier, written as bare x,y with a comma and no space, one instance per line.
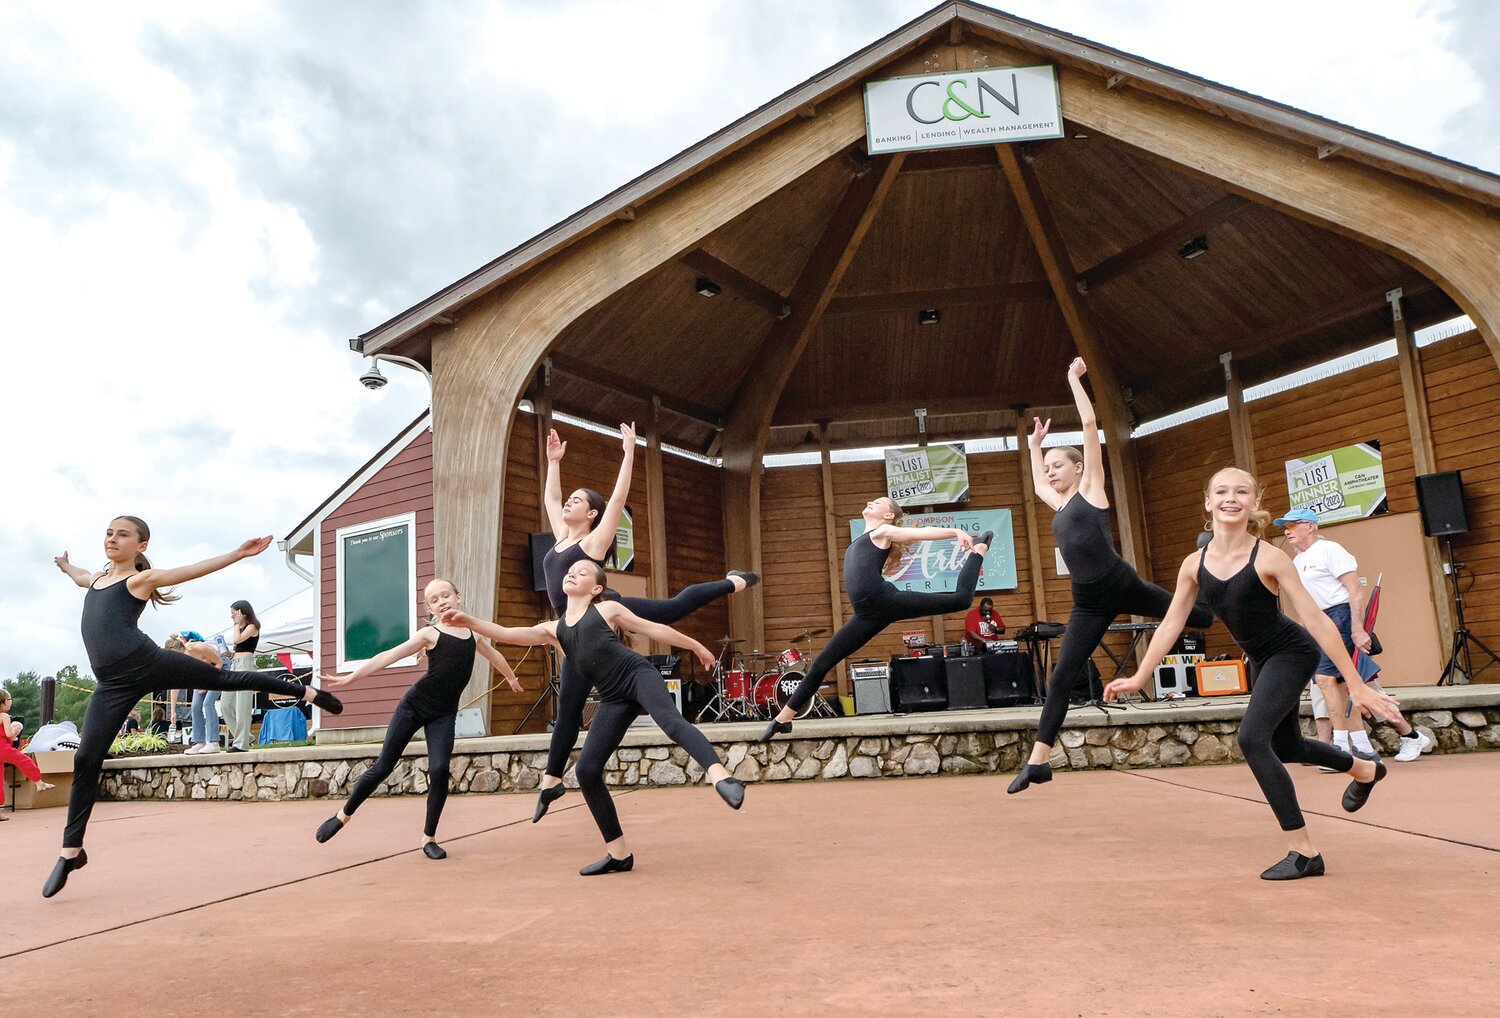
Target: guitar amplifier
918,684
965,677
1221,678
872,687
1175,674
1009,679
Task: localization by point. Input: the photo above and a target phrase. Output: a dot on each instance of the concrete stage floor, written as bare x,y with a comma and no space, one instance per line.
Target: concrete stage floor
1103,893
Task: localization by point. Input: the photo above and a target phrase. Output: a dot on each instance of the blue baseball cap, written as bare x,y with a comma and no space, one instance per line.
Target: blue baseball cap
1302,515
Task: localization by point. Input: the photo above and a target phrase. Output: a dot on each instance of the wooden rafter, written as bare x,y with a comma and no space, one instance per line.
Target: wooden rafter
604,378
1167,239
916,300
735,281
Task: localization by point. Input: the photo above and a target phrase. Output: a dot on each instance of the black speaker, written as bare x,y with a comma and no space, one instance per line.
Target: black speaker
540,545
1441,499
1009,679
918,684
965,677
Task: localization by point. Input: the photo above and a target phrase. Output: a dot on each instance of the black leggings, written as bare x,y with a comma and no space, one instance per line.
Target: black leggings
874,613
405,720
1270,735
120,688
575,688
1095,607
619,709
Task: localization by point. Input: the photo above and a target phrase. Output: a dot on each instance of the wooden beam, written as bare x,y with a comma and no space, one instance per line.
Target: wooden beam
1028,507
831,541
606,379
1114,417
1323,317
917,300
738,282
749,420
1167,239
541,402
856,412
1423,454
656,511
1239,416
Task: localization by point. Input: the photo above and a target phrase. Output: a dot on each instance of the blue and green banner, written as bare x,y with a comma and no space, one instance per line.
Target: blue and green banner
927,475
1339,485
934,565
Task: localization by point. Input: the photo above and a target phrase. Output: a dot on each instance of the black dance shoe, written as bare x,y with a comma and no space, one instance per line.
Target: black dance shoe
775,728
1031,774
732,791
1294,867
433,850
324,699
986,538
609,864
750,578
547,797
1358,792
60,873
328,828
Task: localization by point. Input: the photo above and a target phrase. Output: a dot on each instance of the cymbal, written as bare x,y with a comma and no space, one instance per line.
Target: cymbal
808,634
726,641
755,655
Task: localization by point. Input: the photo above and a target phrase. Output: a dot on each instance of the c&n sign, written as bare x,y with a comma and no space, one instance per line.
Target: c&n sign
980,107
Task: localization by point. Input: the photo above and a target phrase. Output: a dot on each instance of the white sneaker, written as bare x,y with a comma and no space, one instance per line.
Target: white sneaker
193,750
209,747
1413,748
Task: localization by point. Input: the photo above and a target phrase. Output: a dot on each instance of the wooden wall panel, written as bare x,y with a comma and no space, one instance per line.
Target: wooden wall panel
516,603
694,509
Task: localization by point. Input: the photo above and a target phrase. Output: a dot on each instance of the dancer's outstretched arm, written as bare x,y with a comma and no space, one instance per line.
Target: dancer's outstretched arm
552,497
601,539
1091,484
1039,484
539,635
144,583
616,614
77,574
907,535
497,659
425,639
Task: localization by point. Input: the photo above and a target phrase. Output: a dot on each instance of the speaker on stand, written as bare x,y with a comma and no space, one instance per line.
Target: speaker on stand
1440,497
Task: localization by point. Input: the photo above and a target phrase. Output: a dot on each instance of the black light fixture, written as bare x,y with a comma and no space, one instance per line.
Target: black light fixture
927,316
1193,248
707,287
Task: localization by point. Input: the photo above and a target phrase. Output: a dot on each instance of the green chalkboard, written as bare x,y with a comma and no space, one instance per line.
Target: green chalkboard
376,587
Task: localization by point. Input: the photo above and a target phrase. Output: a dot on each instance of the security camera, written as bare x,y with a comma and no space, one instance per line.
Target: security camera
373,379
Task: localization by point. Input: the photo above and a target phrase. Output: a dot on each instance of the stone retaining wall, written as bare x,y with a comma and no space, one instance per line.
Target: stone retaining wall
976,742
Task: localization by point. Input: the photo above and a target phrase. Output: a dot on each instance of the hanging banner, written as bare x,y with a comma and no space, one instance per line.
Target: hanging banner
933,566
1339,485
978,107
621,558
927,474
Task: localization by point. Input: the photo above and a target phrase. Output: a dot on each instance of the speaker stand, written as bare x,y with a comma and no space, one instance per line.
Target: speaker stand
552,689
1460,654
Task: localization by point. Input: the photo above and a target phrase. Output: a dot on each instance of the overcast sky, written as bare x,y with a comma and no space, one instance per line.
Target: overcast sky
200,205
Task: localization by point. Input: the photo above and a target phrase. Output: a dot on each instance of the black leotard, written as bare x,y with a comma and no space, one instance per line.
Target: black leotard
111,624
863,562
450,663
592,647
555,565
1247,607
1083,538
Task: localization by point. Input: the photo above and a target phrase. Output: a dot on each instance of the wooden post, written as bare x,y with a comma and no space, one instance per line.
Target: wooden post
1033,535
1424,459
1114,418
542,405
1239,417
656,511
831,537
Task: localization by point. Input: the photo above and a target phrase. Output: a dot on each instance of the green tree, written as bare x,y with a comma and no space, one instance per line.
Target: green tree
73,692
26,692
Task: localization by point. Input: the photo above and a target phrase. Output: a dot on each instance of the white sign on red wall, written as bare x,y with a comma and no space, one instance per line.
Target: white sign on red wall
979,107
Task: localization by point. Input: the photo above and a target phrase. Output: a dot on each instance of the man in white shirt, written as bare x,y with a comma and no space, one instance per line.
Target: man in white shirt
1331,576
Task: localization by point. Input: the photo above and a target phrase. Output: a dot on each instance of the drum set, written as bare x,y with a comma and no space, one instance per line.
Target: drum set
755,686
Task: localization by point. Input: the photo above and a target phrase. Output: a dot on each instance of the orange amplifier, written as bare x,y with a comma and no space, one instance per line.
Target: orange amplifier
1221,678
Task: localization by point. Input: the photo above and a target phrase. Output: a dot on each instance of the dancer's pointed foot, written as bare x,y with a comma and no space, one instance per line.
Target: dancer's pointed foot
1031,774
324,699
750,578
1358,792
59,875
609,864
547,797
776,728
732,791
433,850
1294,867
328,828
985,539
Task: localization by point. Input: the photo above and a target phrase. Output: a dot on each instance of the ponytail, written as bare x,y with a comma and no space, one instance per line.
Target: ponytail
894,567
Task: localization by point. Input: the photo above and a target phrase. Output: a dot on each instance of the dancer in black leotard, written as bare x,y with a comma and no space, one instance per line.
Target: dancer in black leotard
627,684
876,602
585,526
1241,577
1104,585
128,665
430,704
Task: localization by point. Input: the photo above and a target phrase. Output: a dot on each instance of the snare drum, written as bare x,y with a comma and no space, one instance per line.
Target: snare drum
790,660
773,691
737,684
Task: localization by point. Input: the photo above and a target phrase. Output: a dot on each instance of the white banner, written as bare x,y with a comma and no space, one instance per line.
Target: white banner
979,107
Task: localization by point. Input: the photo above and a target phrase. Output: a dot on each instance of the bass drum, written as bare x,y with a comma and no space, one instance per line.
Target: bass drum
773,691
